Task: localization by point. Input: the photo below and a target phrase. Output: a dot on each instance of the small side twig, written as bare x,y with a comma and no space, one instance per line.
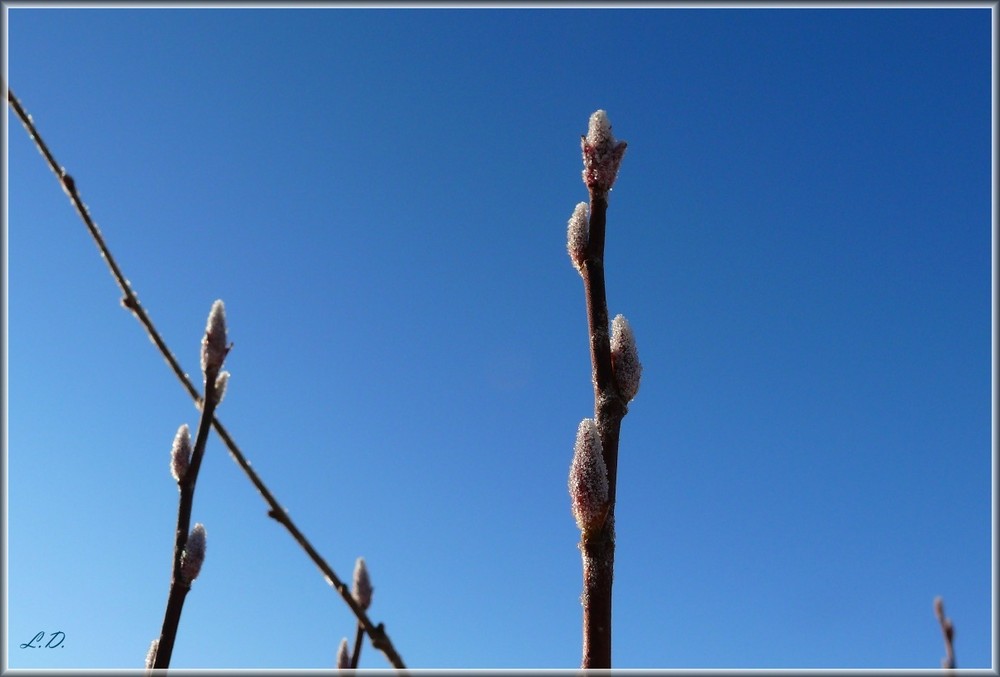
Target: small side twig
948,632
356,655
380,640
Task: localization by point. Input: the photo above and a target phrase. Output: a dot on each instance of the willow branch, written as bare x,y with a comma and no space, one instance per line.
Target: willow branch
615,374
598,551
356,655
948,632
380,640
179,584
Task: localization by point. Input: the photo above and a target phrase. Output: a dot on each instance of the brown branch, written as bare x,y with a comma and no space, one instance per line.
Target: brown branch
948,631
356,656
179,585
599,551
602,155
380,640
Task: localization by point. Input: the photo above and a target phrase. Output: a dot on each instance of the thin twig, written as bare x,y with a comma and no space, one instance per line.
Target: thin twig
948,631
380,640
356,656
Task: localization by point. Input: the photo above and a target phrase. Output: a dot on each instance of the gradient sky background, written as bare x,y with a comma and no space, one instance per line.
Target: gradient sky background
800,237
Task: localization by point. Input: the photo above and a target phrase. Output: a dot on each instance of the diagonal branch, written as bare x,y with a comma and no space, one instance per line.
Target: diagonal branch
380,640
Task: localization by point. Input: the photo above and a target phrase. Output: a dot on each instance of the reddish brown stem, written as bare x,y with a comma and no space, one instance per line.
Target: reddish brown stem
179,587
598,551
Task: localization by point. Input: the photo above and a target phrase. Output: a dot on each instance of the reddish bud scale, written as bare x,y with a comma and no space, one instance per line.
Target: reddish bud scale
602,154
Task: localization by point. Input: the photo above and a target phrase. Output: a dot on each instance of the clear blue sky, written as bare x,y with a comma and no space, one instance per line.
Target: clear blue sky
800,237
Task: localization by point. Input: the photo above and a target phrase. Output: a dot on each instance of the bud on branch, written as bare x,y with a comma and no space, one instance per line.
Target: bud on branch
602,155
361,589
625,358
577,236
588,479
180,453
194,554
213,345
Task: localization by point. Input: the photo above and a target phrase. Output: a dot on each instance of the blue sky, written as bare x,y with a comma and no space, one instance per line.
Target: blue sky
799,236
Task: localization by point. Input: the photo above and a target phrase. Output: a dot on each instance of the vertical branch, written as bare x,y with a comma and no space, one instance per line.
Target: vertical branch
948,631
188,556
615,374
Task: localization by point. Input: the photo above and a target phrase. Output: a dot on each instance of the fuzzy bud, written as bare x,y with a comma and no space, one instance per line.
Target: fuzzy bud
343,660
151,654
194,554
578,235
362,589
180,453
213,345
625,358
588,479
602,154
220,386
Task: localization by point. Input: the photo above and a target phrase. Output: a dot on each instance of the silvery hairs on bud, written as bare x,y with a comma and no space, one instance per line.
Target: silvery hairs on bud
194,553
602,154
625,358
578,235
343,660
180,453
361,588
213,345
588,479
220,386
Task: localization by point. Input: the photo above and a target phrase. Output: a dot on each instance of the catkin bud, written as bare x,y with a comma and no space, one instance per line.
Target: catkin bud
602,154
220,386
151,654
577,236
362,589
180,453
213,345
194,554
588,479
625,358
343,660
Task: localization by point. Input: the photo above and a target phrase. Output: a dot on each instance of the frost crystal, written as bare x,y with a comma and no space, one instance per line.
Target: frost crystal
194,553
361,590
625,358
180,453
588,479
343,660
577,236
213,345
602,154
